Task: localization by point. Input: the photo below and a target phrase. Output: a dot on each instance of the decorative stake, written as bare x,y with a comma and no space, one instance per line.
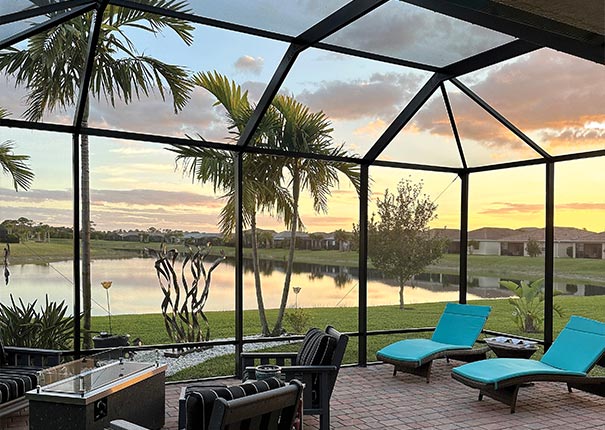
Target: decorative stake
296,291
107,286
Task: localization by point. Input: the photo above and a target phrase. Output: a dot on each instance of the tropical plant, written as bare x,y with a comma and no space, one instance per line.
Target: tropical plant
304,131
287,125
49,328
528,306
400,243
184,301
261,193
53,74
13,164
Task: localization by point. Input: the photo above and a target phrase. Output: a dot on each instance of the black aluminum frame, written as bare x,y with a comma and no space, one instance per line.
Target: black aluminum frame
533,32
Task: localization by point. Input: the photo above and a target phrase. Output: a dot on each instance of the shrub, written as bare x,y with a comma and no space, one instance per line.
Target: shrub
299,319
49,328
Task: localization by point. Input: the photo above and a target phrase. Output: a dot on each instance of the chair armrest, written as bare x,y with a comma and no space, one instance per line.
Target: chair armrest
308,369
256,358
124,425
289,370
22,356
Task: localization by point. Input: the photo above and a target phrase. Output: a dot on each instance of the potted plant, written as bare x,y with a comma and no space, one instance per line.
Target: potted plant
108,339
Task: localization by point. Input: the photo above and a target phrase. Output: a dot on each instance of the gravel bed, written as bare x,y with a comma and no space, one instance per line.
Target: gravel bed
190,359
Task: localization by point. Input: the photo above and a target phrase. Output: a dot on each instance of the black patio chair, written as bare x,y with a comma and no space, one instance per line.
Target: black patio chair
239,406
316,365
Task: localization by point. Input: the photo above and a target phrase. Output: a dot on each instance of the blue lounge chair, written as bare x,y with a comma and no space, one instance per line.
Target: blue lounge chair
454,337
571,356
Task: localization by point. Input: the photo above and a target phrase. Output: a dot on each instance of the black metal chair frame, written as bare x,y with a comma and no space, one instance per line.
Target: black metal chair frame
424,368
323,377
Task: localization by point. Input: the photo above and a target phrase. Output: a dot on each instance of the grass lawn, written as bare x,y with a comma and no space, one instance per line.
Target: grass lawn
566,270
150,327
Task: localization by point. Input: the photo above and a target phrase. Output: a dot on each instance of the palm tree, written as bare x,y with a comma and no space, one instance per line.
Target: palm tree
261,192
14,164
305,131
52,76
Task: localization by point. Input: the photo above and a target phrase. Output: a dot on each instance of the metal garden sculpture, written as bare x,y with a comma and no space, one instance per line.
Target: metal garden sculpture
184,300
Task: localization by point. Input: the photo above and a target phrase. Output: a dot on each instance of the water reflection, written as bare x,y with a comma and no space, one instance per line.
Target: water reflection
136,290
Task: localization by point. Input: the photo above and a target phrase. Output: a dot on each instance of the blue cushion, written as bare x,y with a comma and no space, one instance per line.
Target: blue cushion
414,350
461,324
585,337
496,370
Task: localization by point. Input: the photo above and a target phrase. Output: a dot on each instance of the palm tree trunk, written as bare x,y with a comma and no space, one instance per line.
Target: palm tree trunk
277,330
257,282
85,237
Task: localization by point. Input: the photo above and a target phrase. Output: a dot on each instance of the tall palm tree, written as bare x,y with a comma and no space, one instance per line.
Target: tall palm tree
52,75
305,131
262,192
13,164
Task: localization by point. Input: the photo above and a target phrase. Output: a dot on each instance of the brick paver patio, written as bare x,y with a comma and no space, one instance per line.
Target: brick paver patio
371,398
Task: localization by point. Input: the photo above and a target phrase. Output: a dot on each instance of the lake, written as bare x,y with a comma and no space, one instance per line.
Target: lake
136,290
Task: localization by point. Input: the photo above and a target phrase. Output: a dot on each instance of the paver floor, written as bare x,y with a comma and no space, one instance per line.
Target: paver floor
371,398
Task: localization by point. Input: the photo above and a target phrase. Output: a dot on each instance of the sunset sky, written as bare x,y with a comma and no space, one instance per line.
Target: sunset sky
556,99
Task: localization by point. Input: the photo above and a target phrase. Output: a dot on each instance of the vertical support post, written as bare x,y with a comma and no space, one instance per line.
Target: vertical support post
549,260
362,324
239,263
463,269
75,159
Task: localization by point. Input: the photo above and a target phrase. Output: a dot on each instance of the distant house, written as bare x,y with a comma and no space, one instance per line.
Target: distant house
591,246
321,240
453,238
202,239
155,237
566,243
282,240
132,236
487,240
264,238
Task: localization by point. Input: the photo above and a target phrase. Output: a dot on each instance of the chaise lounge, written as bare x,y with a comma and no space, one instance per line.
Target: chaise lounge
454,337
573,354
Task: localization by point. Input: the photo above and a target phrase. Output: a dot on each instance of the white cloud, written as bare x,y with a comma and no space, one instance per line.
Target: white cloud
250,64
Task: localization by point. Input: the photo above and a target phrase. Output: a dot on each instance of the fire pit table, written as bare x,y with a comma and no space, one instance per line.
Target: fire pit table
97,392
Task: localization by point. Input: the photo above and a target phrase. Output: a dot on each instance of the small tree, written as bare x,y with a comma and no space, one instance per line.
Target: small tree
533,248
400,243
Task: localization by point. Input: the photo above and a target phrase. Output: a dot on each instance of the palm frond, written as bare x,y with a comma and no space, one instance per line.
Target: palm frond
15,166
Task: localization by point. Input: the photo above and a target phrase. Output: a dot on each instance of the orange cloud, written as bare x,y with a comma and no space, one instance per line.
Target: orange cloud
372,129
504,208
555,98
582,206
